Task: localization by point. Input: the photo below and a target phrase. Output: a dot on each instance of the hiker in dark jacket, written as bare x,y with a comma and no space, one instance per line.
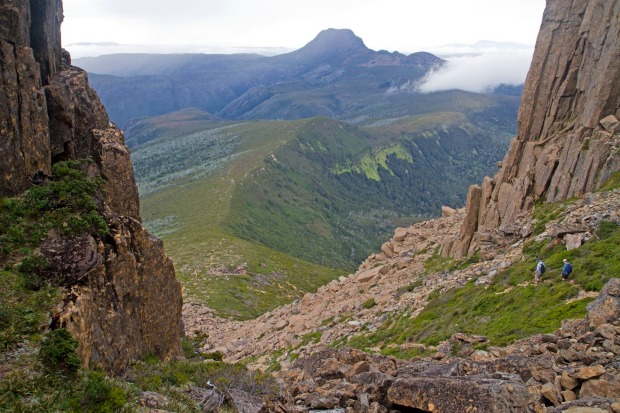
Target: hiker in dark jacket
566,270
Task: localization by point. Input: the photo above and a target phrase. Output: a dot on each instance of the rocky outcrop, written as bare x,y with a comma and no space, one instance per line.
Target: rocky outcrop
398,281
568,139
576,366
24,148
126,305
122,299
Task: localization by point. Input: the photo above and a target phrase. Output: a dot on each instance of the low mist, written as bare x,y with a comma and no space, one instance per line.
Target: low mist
479,70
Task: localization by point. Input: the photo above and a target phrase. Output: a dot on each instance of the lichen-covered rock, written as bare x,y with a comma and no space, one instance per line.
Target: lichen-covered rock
120,192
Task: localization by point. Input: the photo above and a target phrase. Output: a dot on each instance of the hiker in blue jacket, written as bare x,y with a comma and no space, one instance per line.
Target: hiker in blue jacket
566,270
540,268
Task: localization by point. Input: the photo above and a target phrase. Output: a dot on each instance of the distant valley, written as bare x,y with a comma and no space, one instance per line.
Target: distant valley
269,176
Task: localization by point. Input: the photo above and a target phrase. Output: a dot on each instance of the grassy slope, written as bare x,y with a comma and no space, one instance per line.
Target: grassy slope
336,192
206,254
491,310
254,195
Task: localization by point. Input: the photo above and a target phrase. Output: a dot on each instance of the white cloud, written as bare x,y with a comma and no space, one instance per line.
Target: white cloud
479,70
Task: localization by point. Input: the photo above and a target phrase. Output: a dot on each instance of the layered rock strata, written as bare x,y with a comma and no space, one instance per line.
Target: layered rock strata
122,299
568,139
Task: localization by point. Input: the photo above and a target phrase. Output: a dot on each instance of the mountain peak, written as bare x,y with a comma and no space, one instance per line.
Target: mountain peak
330,42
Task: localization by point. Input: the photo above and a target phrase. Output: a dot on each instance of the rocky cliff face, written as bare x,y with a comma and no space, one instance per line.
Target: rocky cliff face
568,140
124,301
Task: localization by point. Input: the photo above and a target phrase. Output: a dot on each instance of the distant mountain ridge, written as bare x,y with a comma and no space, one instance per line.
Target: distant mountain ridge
331,75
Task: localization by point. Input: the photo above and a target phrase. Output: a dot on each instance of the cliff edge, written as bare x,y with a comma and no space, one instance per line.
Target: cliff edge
123,301
568,137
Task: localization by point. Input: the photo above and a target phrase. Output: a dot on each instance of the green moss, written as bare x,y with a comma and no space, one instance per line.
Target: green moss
612,183
370,303
409,288
314,337
543,213
327,321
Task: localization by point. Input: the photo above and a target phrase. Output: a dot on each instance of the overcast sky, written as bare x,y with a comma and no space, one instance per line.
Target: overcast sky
276,26
403,25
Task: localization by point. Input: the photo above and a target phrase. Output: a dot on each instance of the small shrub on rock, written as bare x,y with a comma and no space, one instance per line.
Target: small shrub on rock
58,352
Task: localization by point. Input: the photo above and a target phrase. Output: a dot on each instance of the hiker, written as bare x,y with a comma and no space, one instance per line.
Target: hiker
566,270
540,269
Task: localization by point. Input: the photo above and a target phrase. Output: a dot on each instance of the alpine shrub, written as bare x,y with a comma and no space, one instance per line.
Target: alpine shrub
58,352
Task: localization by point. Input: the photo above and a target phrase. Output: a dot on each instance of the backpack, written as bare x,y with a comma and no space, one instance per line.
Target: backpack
569,269
542,267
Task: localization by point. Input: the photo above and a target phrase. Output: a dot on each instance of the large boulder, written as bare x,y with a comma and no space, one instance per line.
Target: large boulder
459,394
606,308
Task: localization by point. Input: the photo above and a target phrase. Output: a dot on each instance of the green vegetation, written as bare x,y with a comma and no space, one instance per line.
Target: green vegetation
238,278
612,183
370,163
254,215
434,294
545,212
490,310
327,321
409,288
42,371
437,263
58,352
314,337
303,194
370,303
66,204
29,385
27,389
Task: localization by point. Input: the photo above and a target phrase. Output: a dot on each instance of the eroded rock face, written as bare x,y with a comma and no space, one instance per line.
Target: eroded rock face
128,304
24,143
568,141
122,300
